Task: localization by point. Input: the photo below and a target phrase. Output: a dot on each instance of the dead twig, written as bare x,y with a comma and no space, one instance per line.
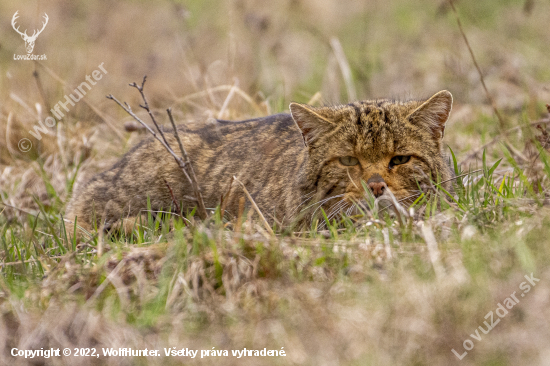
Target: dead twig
493,105
185,166
503,134
174,201
189,166
146,107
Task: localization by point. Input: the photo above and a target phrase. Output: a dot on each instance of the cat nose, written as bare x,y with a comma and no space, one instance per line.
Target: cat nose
377,185
378,188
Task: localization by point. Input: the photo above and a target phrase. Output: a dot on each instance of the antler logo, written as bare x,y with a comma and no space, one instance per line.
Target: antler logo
29,40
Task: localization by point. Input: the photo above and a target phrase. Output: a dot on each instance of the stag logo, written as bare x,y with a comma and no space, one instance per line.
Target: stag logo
29,40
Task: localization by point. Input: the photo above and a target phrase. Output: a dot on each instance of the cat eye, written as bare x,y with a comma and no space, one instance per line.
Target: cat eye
349,161
399,159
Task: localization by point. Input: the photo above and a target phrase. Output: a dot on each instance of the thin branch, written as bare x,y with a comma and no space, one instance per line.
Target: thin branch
128,110
184,165
497,113
174,201
146,107
187,162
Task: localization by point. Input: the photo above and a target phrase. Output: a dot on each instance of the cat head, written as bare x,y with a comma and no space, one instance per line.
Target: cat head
381,144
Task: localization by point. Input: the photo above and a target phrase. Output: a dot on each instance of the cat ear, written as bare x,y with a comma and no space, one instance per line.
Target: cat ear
310,121
434,113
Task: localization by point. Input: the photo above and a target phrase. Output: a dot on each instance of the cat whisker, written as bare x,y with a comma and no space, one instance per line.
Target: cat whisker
320,203
337,208
335,205
324,200
332,208
346,209
308,196
353,209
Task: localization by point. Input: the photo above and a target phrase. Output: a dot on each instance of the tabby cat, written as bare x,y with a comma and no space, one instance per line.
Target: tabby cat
292,164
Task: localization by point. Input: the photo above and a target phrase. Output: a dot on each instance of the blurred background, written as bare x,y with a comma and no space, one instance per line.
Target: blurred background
278,52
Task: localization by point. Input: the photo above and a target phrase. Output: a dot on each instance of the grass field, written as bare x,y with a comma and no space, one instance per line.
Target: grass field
373,289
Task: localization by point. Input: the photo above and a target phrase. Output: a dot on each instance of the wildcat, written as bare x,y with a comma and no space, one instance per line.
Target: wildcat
292,164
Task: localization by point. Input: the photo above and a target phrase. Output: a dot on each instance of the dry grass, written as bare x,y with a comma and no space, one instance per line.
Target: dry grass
371,290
